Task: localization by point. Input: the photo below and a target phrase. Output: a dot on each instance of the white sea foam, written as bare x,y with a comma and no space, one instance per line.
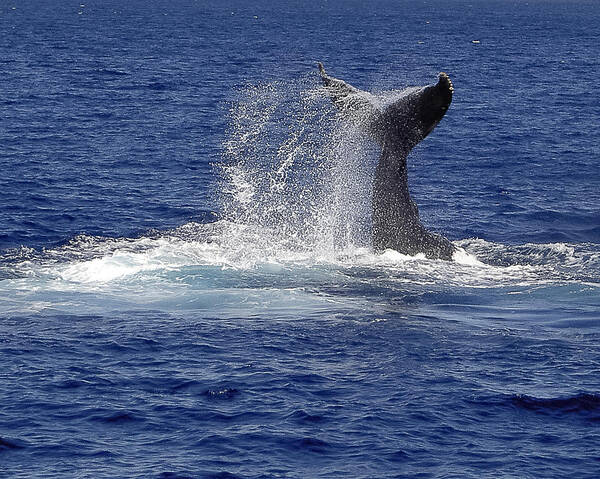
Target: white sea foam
241,270
250,250
121,264
462,257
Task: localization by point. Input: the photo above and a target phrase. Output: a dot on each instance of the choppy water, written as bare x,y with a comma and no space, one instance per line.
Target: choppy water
186,283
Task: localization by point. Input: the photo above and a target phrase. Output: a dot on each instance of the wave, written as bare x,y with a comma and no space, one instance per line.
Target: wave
229,266
583,405
230,246
579,403
6,444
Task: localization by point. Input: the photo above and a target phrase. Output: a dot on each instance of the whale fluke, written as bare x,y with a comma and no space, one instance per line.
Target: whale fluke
357,105
397,126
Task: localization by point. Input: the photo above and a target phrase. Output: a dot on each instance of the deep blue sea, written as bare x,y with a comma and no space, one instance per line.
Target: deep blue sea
187,287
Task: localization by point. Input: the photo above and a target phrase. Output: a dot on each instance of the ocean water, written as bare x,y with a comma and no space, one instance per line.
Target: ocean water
187,288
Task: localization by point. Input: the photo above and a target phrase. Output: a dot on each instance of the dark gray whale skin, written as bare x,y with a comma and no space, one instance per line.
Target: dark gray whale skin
397,127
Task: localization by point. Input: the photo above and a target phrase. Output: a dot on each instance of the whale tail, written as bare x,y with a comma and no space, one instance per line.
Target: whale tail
397,126
421,108
358,106
407,120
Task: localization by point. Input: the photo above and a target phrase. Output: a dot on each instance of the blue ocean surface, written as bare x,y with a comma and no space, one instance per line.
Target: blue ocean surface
187,285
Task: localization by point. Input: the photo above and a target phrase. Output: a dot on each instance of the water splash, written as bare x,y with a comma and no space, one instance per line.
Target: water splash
294,171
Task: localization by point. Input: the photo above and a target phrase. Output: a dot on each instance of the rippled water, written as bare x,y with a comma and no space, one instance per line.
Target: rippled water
187,287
